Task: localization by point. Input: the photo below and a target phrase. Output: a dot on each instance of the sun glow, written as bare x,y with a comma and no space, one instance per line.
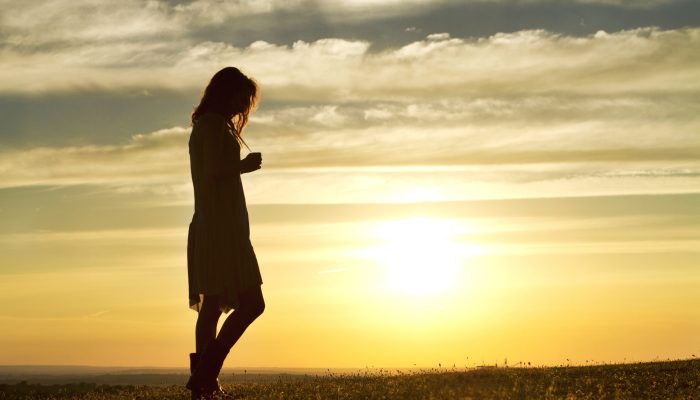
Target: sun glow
420,255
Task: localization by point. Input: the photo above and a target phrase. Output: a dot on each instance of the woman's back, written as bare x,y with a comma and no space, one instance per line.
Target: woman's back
210,146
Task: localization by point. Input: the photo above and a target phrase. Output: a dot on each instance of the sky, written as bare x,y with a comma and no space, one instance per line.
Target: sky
443,182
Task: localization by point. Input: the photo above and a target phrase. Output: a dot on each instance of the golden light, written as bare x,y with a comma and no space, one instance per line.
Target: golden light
419,255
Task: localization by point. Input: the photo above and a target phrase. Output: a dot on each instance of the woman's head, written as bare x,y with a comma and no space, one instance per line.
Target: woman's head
231,94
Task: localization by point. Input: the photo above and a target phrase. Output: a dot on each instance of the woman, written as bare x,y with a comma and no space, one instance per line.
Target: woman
223,272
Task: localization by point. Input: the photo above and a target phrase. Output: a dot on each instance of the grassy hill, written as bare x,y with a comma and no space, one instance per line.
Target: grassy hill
651,380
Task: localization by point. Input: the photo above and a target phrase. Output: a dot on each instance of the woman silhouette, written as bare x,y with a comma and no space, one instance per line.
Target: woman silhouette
223,272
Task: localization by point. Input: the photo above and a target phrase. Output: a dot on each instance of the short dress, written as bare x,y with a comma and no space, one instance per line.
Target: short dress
220,256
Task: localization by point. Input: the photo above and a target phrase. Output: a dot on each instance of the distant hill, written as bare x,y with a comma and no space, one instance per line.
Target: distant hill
63,374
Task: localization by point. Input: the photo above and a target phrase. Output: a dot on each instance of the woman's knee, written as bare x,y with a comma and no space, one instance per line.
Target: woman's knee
253,305
259,307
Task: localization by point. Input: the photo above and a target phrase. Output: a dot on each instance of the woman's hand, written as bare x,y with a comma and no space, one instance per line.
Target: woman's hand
251,162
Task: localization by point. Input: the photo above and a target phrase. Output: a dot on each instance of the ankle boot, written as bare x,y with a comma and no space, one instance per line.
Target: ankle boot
204,383
194,358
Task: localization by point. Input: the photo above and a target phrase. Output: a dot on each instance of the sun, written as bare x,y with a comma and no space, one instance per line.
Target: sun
419,255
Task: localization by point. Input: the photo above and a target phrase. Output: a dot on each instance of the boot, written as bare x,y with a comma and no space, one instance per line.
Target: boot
204,383
194,358
193,362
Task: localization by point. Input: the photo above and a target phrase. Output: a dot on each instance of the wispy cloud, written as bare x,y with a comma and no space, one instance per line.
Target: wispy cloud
353,165
533,61
619,105
147,158
43,22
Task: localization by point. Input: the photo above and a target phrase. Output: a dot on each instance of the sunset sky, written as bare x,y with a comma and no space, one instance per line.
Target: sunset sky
443,182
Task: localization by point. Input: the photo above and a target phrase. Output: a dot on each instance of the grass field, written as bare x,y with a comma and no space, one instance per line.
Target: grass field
652,380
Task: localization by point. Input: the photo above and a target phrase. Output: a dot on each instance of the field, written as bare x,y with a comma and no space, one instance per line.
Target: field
652,380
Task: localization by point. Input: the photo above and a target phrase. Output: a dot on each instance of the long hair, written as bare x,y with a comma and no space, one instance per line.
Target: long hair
231,94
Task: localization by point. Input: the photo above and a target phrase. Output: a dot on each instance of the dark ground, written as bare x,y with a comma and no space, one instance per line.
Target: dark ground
652,380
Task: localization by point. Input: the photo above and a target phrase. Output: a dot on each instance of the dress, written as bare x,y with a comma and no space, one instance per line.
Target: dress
220,256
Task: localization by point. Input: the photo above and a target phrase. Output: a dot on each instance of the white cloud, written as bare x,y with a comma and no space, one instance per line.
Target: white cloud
537,61
401,159
627,98
438,36
46,22
623,101
158,157
329,116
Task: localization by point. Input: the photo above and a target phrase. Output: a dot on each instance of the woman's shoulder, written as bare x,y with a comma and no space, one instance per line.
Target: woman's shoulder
210,117
209,121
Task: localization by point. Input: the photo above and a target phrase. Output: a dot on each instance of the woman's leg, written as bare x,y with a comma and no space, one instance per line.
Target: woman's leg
206,321
251,305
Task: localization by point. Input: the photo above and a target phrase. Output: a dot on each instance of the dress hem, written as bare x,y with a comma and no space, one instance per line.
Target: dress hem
224,308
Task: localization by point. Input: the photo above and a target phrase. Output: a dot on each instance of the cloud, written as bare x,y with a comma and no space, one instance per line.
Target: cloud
531,61
619,106
394,161
42,22
147,158
509,100
498,131
629,3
